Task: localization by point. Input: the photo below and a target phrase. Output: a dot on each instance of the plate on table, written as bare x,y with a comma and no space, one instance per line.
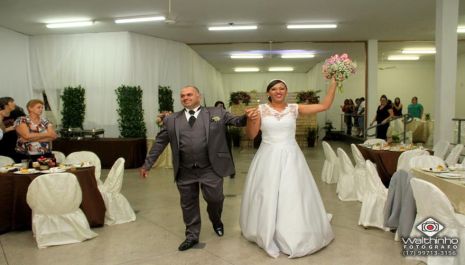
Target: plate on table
435,170
27,171
6,169
53,170
451,175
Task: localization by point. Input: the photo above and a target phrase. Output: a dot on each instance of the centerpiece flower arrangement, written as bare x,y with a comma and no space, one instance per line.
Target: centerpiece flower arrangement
46,163
340,67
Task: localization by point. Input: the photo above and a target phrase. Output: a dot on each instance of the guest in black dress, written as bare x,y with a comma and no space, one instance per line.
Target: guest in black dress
397,107
383,116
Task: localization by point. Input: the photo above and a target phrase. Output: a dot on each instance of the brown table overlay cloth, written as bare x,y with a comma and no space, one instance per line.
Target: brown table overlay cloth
133,150
15,213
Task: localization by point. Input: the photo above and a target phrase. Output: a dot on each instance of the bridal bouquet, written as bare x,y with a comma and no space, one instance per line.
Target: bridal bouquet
339,67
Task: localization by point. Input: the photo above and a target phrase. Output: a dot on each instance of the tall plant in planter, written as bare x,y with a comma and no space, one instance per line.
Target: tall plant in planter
74,107
131,115
165,99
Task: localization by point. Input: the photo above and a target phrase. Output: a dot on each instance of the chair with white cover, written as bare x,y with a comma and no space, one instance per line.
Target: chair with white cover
118,208
432,202
56,216
330,172
374,141
441,148
360,172
454,155
403,163
59,156
426,161
372,211
86,156
346,184
5,160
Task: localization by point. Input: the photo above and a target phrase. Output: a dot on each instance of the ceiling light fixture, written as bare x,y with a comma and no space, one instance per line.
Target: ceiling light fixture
139,19
419,51
246,56
232,27
312,26
281,69
73,24
297,55
403,58
246,69
461,29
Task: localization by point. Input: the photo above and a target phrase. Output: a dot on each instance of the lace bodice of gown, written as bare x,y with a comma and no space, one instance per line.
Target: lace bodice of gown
278,127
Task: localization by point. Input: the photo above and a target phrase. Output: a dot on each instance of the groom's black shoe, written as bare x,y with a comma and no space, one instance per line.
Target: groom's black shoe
187,244
219,230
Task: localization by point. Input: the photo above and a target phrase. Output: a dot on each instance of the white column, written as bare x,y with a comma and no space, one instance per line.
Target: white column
372,98
446,68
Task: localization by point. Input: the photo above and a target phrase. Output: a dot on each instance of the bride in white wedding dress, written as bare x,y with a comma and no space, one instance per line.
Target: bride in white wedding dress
281,208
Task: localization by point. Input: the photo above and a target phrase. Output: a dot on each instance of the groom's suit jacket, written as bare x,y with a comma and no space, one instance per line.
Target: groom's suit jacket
215,122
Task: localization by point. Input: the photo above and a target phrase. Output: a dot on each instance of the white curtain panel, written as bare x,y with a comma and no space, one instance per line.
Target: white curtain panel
101,62
15,79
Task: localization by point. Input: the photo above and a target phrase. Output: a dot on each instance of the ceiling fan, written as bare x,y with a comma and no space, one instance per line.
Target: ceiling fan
385,67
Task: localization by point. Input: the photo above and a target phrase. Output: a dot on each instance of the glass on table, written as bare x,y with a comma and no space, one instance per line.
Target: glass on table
24,163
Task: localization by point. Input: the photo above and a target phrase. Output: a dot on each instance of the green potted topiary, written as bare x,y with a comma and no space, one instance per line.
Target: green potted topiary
165,99
308,97
238,98
131,114
74,107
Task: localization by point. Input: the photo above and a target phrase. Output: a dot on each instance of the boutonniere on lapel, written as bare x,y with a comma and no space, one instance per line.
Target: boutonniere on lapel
216,119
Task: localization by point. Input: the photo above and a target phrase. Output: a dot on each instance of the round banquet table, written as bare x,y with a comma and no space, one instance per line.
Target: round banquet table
385,161
15,213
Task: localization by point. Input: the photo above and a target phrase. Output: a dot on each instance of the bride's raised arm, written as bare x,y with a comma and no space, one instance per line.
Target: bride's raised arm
323,105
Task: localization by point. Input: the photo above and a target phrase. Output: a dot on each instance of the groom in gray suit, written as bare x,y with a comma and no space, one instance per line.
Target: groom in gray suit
201,158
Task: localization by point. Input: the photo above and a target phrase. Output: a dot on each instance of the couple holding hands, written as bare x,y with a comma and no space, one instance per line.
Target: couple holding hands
281,209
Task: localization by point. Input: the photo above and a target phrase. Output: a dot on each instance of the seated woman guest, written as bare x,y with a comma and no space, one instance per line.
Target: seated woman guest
35,133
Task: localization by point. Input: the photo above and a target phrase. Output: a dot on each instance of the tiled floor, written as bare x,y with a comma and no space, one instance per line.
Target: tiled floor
155,236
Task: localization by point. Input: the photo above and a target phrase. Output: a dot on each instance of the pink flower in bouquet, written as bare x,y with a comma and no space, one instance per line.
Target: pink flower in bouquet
339,67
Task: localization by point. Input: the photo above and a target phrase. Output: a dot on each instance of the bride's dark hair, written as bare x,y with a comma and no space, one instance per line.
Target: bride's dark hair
272,84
